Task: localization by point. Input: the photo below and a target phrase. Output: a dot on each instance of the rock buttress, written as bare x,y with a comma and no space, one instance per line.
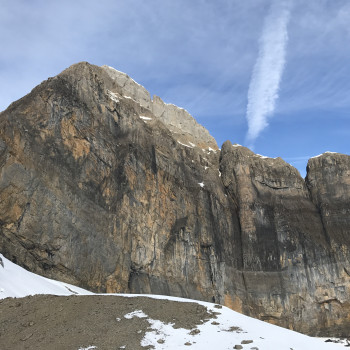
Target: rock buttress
293,277
93,194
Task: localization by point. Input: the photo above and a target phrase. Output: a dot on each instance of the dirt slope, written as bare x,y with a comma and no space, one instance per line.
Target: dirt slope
46,322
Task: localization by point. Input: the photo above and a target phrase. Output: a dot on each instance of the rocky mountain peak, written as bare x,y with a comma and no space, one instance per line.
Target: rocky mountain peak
102,187
177,119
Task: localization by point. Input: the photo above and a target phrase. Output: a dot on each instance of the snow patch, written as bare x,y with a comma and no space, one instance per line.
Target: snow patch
260,156
237,145
88,348
18,282
183,144
161,332
118,71
192,144
228,329
112,96
145,118
171,104
201,184
329,152
137,313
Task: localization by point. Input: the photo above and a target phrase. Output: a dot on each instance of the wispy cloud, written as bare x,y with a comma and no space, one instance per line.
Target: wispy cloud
268,69
179,43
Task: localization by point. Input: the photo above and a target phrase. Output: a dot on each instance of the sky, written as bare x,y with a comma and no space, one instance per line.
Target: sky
272,75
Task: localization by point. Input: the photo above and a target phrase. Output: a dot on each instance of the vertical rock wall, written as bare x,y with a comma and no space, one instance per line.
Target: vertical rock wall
103,187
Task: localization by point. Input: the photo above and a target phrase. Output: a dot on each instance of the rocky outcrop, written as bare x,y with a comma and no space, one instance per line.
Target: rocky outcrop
178,120
293,275
128,88
93,194
182,124
328,180
103,187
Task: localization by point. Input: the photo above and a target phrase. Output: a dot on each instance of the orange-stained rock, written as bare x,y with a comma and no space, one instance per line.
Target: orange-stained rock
102,187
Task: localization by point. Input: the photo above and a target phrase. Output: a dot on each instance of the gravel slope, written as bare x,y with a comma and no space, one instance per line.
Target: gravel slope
45,322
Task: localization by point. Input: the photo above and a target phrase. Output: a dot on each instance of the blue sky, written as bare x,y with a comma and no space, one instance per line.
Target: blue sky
205,56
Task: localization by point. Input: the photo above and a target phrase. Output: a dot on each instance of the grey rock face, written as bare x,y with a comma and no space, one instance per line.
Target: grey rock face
178,120
129,88
107,192
93,194
328,179
288,260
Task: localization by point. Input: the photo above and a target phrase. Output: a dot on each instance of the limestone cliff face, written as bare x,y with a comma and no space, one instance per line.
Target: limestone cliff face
328,179
103,187
93,194
293,275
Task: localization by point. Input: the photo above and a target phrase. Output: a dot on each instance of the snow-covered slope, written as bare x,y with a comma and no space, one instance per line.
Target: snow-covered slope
18,282
229,330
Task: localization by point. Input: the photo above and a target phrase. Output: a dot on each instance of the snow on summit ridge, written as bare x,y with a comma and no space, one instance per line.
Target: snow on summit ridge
177,119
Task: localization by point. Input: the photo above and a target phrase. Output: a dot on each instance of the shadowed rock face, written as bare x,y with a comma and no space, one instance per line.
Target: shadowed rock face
294,275
105,188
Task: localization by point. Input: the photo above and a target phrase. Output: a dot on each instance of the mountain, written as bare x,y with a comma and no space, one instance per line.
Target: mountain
55,320
103,187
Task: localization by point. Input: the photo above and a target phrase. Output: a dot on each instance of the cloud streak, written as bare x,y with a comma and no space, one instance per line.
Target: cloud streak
268,69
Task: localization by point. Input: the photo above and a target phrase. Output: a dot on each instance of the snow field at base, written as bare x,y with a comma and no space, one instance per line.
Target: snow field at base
228,329
18,282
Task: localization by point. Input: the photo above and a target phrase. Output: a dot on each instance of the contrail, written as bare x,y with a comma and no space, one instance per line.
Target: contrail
268,69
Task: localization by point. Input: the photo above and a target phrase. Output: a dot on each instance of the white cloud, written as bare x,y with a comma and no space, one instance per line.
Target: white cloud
268,69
